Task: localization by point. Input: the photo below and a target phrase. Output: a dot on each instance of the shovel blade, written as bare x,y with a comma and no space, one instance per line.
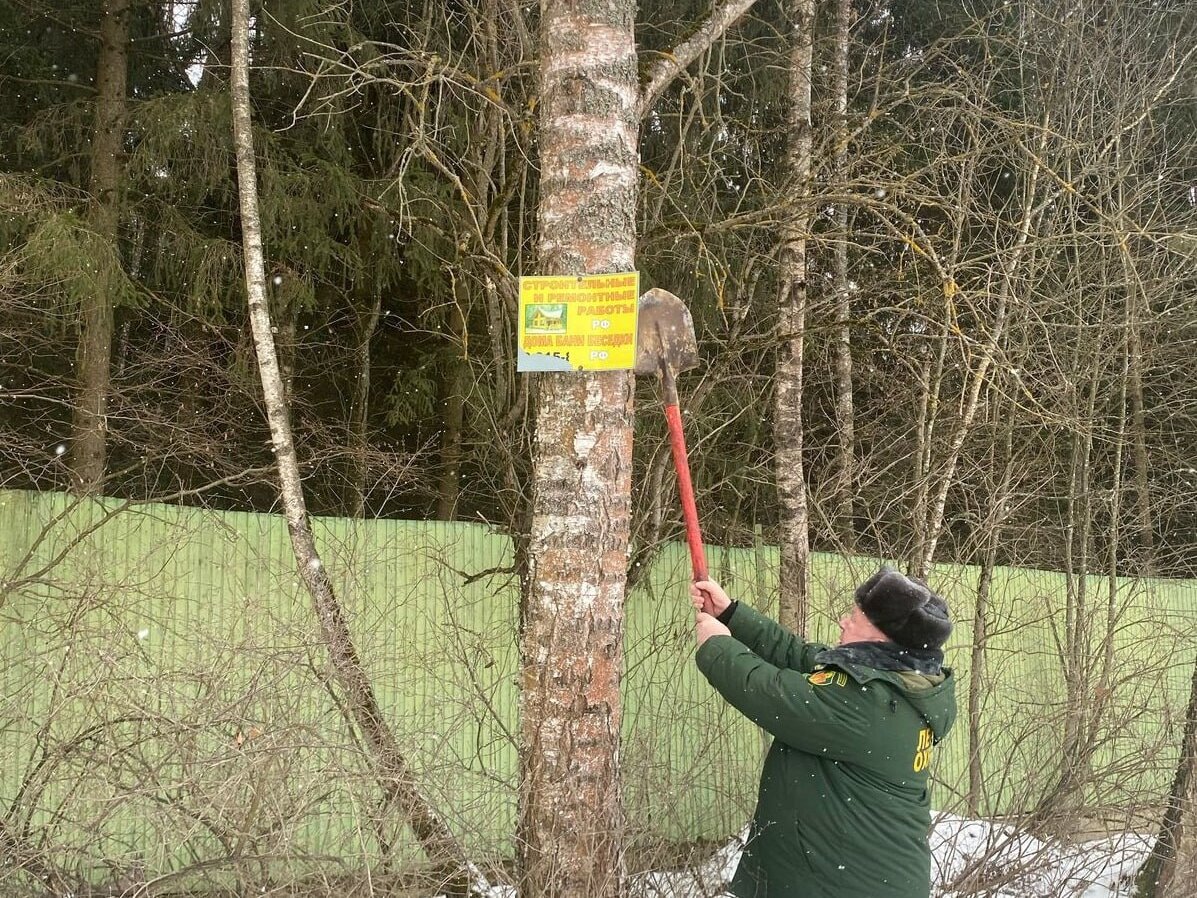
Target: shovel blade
664,334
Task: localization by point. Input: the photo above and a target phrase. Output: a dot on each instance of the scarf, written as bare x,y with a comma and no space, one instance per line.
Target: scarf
884,656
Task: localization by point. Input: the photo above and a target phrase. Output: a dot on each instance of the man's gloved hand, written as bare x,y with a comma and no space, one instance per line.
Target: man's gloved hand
706,626
708,596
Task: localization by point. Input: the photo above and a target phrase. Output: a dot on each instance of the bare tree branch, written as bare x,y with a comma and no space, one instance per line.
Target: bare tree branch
672,64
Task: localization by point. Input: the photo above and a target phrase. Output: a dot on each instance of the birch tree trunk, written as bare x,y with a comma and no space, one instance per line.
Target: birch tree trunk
794,609
845,428
571,815
94,358
358,693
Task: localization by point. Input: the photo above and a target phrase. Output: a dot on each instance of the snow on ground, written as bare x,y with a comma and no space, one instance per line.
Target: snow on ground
706,880
970,859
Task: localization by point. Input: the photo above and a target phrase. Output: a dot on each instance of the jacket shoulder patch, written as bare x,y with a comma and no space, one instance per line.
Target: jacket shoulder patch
827,678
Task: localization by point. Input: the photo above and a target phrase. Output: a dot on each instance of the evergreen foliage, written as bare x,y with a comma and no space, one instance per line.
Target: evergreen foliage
398,176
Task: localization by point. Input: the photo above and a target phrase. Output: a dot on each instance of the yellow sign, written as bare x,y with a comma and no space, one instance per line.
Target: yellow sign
578,323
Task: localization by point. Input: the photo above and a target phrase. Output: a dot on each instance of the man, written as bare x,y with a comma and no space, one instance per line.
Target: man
842,810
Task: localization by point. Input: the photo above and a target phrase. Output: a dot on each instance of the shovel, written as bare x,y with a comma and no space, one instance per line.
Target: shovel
665,345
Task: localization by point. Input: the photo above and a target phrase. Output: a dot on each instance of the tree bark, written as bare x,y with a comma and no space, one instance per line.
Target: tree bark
794,525
94,358
571,814
391,767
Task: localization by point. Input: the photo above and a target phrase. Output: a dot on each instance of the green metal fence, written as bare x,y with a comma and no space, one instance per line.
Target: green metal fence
164,695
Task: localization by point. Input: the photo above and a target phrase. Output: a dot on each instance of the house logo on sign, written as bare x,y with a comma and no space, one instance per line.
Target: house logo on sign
545,319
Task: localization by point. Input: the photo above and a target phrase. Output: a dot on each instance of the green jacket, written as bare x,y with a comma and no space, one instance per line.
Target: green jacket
843,810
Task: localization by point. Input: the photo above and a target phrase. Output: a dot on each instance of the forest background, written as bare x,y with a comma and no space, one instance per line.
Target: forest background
947,317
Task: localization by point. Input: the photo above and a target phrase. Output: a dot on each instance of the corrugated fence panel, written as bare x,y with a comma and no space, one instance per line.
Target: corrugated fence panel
165,694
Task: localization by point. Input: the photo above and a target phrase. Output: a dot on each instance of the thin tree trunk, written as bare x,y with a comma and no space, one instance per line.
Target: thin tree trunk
366,292
935,520
359,409
571,822
976,686
1139,435
921,457
794,525
999,510
392,769
1114,537
453,403
285,343
1051,816
94,358
1080,515
930,532
1074,757
845,426
1175,848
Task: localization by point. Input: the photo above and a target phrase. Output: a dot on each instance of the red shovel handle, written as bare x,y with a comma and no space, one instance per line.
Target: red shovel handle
677,441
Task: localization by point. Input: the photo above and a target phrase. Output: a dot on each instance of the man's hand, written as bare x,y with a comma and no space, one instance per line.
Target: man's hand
708,596
706,626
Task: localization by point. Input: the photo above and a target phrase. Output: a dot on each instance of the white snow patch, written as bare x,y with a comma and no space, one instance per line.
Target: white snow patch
708,880
1022,866
1015,864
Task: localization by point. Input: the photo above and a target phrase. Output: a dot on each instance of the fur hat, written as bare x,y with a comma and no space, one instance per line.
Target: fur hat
905,609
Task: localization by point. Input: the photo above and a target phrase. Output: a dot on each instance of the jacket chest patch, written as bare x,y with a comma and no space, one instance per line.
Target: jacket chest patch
827,678
922,754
